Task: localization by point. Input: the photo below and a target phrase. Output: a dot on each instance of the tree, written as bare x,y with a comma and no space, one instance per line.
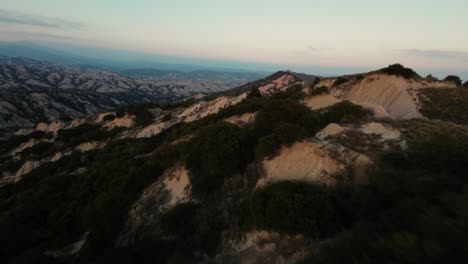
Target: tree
399,70
454,79
216,154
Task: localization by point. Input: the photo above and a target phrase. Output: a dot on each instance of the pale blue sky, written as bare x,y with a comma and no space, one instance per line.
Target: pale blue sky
419,33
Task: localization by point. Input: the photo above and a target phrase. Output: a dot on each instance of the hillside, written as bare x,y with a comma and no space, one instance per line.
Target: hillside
32,90
292,168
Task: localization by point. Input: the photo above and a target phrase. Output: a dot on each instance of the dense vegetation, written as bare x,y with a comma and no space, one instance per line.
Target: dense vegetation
454,79
445,104
319,90
340,80
414,209
399,70
85,133
309,209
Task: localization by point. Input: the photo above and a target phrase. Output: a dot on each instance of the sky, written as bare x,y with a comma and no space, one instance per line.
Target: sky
425,34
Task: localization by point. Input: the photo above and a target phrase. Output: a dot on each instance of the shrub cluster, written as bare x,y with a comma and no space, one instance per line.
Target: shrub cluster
339,81
85,133
399,70
309,209
415,207
445,104
319,90
108,118
454,79
216,153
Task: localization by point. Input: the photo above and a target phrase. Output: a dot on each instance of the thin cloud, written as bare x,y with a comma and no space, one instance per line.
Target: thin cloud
13,17
437,54
36,35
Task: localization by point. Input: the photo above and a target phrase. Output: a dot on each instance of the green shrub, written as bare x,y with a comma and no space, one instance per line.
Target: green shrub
142,116
339,81
319,90
254,93
39,150
445,104
108,118
167,155
282,135
181,220
216,153
399,70
166,117
294,92
65,118
437,145
454,79
295,208
465,85
342,112
85,133
316,81
276,111
197,226
359,77
12,142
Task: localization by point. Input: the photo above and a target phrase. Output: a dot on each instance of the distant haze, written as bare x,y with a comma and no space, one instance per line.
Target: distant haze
320,37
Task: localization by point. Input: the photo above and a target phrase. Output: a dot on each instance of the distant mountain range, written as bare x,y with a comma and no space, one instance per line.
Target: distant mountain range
33,90
109,59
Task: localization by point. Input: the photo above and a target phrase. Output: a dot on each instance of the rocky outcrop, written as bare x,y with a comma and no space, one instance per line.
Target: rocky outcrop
171,189
241,120
312,161
280,84
320,101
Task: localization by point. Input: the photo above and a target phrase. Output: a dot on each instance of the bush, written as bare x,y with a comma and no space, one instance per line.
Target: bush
465,85
295,208
319,90
399,70
85,133
216,153
197,226
453,79
277,111
180,221
283,134
254,93
142,116
342,112
65,117
168,154
41,149
316,81
108,118
294,92
166,117
12,142
340,80
359,77
445,104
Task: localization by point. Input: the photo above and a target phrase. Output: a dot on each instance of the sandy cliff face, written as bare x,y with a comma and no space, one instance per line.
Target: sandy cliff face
312,161
280,84
171,189
395,94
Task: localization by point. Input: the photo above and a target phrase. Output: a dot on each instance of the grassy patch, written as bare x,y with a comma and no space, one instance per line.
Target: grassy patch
445,104
295,208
